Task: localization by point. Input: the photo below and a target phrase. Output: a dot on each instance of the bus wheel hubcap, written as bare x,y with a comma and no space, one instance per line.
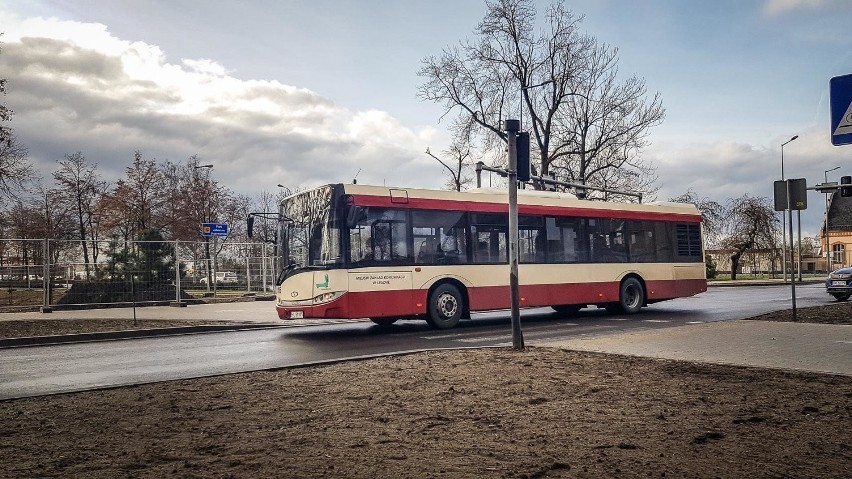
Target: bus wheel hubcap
447,305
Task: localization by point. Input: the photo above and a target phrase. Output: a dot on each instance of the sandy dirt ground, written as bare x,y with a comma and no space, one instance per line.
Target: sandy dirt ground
541,413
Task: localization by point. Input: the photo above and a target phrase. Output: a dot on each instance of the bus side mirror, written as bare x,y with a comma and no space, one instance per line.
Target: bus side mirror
250,226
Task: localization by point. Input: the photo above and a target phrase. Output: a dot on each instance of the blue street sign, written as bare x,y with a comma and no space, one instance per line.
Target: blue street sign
214,229
841,110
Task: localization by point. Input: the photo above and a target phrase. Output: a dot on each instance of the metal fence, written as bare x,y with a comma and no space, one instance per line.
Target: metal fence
48,273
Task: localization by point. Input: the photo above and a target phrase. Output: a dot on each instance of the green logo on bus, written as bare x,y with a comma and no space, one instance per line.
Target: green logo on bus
324,284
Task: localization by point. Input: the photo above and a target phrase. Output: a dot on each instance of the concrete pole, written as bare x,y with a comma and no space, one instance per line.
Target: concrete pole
792,281
799,246
512,127
784,225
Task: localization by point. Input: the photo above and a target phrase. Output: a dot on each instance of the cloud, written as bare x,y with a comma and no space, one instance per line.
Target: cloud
777,7
74,86
725,170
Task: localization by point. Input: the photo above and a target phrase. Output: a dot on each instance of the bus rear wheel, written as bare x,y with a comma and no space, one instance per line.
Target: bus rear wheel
631,296
445,307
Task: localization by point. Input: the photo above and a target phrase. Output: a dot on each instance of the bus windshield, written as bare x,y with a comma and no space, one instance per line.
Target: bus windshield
311,236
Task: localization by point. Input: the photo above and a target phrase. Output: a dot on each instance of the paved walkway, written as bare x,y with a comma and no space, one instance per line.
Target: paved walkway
249,312
821,348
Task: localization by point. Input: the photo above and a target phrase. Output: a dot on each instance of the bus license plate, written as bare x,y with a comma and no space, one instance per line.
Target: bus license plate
297,314
838,283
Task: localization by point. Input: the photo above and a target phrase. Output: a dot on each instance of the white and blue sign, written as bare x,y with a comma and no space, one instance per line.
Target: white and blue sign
214,229
841,110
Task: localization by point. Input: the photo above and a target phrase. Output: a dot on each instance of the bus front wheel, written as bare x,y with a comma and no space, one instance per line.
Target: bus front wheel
631,296
445,307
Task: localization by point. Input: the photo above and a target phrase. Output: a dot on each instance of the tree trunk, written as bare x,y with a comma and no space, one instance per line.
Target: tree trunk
735,264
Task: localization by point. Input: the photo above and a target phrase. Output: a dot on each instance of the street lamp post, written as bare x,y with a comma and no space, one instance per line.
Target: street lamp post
205,218
827,242
784,219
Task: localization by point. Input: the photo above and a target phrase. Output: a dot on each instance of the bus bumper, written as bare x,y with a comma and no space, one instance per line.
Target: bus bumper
334,309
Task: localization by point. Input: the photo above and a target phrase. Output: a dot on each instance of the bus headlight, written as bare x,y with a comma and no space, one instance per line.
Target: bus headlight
327,297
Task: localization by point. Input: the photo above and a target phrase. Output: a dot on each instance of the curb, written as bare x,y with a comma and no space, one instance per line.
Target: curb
749,282
127,334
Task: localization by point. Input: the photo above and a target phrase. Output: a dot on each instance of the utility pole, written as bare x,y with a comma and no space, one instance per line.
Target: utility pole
512,127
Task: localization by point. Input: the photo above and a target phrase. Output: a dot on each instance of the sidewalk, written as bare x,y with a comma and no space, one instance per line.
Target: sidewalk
763,282
822,348
249,312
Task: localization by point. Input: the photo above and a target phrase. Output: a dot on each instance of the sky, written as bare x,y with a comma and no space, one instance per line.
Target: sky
302,93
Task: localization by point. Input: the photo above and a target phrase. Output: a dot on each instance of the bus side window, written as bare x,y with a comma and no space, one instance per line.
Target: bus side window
380,234
531,239
566,240
440,237
642,245
491,244
607,240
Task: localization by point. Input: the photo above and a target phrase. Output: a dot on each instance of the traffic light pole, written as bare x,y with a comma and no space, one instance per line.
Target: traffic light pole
512,127
790,222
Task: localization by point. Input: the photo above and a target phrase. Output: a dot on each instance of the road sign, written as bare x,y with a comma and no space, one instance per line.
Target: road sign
798,194
214,229
841,110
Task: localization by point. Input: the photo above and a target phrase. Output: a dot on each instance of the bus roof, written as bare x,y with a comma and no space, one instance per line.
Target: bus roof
532,201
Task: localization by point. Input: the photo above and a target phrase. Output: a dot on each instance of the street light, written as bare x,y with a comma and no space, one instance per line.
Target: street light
827,242
784,219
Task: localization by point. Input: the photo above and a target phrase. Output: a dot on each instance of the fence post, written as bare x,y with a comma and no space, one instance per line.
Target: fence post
177,302
248,272
263,264
45,276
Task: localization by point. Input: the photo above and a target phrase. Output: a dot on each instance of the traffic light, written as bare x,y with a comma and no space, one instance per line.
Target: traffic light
846,186
523,145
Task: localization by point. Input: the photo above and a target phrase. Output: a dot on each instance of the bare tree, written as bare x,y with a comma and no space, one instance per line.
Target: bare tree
15,169
459,167
79,188
750,223
145,183
5,115
712,214
587,125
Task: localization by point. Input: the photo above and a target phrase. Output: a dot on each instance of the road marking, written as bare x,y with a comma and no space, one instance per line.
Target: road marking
695,322
617,319
482,339
656,321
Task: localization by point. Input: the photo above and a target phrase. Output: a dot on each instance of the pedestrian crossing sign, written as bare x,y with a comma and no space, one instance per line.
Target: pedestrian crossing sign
840,89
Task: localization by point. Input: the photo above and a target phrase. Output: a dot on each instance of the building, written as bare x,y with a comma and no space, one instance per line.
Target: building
839,238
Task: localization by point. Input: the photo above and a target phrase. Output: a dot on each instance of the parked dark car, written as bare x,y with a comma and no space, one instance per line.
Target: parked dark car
839,283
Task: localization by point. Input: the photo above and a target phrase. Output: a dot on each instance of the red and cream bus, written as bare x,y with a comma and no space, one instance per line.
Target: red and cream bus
357,251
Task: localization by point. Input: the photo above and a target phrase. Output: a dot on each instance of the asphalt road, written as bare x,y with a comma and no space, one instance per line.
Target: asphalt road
40,370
